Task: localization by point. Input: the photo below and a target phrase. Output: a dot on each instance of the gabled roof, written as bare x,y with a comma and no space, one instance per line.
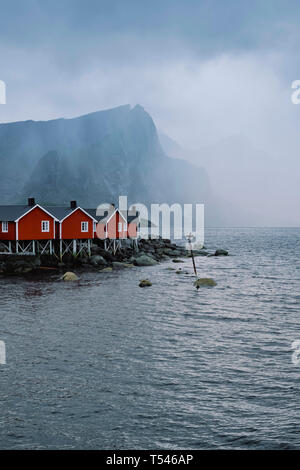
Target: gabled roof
93,213
106,216
12,213
61,213
130,217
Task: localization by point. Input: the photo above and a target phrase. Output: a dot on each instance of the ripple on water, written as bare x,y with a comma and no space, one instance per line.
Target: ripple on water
105,364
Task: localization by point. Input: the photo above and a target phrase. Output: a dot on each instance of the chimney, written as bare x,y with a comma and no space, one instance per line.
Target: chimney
73,204
31,201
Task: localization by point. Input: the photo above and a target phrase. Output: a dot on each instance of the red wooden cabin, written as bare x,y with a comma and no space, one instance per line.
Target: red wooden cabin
73,222
116,225
31,222
33,228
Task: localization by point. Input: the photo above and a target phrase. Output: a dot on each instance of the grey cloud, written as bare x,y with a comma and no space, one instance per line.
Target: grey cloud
205,70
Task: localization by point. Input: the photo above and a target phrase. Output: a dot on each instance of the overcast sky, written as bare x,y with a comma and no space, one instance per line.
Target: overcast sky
204,70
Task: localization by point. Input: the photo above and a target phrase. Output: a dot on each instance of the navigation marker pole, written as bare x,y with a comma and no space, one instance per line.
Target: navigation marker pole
189,238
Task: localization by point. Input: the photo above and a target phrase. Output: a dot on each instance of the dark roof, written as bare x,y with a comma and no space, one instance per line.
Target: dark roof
92,212
11,213
59,212
130,218
103,218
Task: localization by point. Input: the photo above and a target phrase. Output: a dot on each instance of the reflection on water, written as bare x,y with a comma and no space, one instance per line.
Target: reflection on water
104,364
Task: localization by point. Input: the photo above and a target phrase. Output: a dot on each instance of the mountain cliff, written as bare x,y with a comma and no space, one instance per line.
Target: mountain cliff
94,159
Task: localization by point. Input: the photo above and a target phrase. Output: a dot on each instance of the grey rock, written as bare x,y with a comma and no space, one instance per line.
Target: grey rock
98,260
69,276
204,282
121,265
145,283
221,252
144,260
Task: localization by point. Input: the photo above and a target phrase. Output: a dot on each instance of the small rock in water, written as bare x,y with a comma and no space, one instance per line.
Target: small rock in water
204,282
106,269
145,283
176,260
180,271
69,276
221,253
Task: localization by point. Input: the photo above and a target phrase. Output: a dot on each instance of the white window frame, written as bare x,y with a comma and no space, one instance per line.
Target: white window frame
46,227
125,227
95,226
4,227
120,225
84,227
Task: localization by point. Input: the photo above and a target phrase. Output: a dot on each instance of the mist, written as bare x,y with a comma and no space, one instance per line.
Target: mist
216,80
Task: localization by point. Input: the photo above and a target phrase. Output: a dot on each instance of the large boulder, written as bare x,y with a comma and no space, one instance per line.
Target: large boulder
172,252
144,260
69,276
204,282
96,250
98,260
19,264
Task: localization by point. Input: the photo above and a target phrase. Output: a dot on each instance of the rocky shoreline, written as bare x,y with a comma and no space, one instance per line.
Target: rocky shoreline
150,253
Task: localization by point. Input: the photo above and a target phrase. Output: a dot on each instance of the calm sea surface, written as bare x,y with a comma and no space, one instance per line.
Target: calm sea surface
105,364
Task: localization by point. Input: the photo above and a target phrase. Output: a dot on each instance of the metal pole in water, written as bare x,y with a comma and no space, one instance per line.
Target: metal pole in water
189,237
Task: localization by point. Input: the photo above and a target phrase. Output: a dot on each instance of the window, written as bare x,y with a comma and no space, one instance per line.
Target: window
125,227
84,226
120,227
4,226
45,226
95,226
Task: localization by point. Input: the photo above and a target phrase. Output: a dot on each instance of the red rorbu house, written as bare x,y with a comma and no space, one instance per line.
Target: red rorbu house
35,229
74,228
26,229
114,225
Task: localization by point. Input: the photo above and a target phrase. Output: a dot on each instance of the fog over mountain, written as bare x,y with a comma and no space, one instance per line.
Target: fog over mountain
215,77
251,187
96,158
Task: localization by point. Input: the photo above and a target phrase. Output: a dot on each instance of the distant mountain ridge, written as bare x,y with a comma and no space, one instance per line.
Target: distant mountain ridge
95,158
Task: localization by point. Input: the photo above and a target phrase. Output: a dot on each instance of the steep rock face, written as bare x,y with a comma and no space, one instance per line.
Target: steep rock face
94,159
